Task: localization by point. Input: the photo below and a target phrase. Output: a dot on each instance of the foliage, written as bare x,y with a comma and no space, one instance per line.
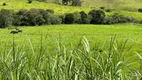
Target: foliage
115,18
29,1
77,17
6,18
53,19
69,18
97,16
140,10
62,17
130,19
20,18
33,17
85,19
76,3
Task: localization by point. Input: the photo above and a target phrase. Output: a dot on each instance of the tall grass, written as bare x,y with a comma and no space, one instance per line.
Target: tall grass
79,62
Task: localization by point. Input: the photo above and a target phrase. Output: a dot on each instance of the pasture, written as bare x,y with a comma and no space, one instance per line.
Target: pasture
124,8
62,52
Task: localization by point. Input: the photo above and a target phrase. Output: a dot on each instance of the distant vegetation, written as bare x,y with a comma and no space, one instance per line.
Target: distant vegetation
39,17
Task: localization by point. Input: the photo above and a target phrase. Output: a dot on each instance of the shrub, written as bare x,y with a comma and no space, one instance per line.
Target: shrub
53,19
102,7
69,18
130,19
97,16
85,19
20,18
76,3
77,17
34,17
115,18
4,4
62,17
6,18
140,9
29,1
108,10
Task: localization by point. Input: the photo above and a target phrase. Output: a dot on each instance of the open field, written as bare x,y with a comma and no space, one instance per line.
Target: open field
73,51
61,52
72,33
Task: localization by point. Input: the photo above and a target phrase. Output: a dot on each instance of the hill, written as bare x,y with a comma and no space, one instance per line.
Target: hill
124,7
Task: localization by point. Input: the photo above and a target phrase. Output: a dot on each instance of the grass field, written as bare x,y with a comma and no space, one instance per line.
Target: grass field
73,52
71,33
62,52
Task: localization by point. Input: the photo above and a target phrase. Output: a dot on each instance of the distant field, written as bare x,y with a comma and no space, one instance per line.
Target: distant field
59,9
23,4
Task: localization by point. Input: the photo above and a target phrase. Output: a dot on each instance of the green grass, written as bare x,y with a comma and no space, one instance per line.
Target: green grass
78,52
59,9
69,32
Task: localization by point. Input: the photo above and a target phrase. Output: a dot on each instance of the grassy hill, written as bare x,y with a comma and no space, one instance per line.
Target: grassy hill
23,4
124,7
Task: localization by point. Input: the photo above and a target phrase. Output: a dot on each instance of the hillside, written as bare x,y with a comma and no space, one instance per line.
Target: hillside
119,4
23,4
124,7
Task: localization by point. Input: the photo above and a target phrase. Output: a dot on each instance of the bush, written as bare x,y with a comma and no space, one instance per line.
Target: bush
140,10
34,17
108,10
20,18
4,4
77,17
6,18
102,7
85,19
97,16
130,19
76,3
29,1
115,18
69,18
62,17
53,19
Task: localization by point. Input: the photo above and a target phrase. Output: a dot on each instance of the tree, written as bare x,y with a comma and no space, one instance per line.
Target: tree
85,19
76,3
69,18
73,2
97,16
65,2
6,18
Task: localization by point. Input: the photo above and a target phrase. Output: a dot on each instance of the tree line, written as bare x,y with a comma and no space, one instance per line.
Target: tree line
37,17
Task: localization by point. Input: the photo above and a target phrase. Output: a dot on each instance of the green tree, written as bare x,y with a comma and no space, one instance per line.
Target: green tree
97,16
6,18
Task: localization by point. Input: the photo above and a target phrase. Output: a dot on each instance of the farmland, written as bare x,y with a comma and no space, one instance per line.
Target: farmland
64,42
55,47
